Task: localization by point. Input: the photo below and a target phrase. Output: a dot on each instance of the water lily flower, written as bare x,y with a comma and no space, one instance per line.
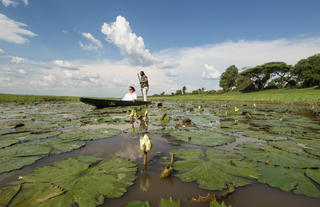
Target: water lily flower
236,109
145,143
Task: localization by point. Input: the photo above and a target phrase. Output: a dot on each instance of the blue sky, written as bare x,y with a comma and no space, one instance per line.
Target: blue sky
61,47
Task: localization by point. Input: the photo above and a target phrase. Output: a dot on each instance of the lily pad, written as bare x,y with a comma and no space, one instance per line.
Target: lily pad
259,134
213,170
287,179
85,180
13,163
35,194
6,194
314,174
169,203
269,154
201,137
89,134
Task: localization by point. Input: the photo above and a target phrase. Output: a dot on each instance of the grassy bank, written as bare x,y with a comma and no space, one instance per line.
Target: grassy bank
36,98
305,95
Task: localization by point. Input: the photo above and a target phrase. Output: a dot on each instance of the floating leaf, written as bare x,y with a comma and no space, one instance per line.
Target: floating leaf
215,203
13,163
169,203
6,194
213,170
35,193
86,180
314,174
89,134
287,179
200,137
268,154
259,134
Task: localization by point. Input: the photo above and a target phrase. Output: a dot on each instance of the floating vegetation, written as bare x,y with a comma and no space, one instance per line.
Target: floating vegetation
86,181
202,137
215,169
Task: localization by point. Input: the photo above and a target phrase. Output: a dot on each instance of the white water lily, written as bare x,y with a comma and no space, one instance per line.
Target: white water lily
145,143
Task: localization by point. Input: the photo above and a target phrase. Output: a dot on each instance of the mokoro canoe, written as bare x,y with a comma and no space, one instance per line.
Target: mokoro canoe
101,103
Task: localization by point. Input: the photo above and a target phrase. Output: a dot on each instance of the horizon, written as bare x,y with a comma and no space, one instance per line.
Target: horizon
96,48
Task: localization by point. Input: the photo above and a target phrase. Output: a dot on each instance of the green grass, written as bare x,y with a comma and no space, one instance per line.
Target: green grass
305,95
36,98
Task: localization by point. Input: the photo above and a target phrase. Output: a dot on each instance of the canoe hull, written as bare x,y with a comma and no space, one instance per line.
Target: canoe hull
102,103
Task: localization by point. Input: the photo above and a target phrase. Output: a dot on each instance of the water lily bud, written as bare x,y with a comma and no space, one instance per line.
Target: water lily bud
132,112
236,109
145,143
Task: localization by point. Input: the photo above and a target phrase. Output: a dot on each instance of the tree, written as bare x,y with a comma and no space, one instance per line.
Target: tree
163,93
178,92
307,71
184,88
228,78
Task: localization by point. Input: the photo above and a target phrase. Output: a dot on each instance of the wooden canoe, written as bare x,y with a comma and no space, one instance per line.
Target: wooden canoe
102,103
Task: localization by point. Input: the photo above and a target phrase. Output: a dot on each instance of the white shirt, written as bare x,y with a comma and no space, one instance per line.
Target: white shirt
129,97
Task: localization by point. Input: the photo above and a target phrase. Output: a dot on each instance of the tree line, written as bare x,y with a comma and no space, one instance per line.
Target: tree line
305,73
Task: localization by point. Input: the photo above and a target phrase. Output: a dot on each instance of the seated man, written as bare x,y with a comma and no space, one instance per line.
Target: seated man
131,96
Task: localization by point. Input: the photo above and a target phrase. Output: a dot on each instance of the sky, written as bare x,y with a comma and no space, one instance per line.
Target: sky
96,48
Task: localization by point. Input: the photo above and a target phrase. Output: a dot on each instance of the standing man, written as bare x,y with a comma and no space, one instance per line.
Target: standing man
144,85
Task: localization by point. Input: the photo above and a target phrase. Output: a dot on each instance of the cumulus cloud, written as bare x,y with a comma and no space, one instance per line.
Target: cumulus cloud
17,60
26,2
7,3
210,72
64,65
2,52
131,46
196,67
13,3
94,44
12,31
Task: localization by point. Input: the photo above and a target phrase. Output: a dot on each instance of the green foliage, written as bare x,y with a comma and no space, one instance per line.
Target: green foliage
178,92
89,134
288,179
200,137
307,71
169,203
84,181
228,78
184,89
214,170
215,203
6,194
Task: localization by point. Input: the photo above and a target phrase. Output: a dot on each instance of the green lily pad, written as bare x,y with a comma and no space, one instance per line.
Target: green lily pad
13,163
287,179
314,174
138,204
200,137
89,134
215,170
259,134
269,154
6,194
35,193
85,180
169,203
215,203
7,142
290,146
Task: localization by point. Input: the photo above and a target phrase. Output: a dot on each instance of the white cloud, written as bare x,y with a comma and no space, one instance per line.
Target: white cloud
17,59
13,3
2,52
64,64
7,3
94,44
26,2
132,47
12,31
22,72
210,73
111,78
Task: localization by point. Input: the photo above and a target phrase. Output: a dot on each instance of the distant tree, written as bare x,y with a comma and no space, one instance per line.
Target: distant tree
184,88
307,71
228,78
280,71
195,92
178,92
172,93
203,89
163,93
244,84
211,92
